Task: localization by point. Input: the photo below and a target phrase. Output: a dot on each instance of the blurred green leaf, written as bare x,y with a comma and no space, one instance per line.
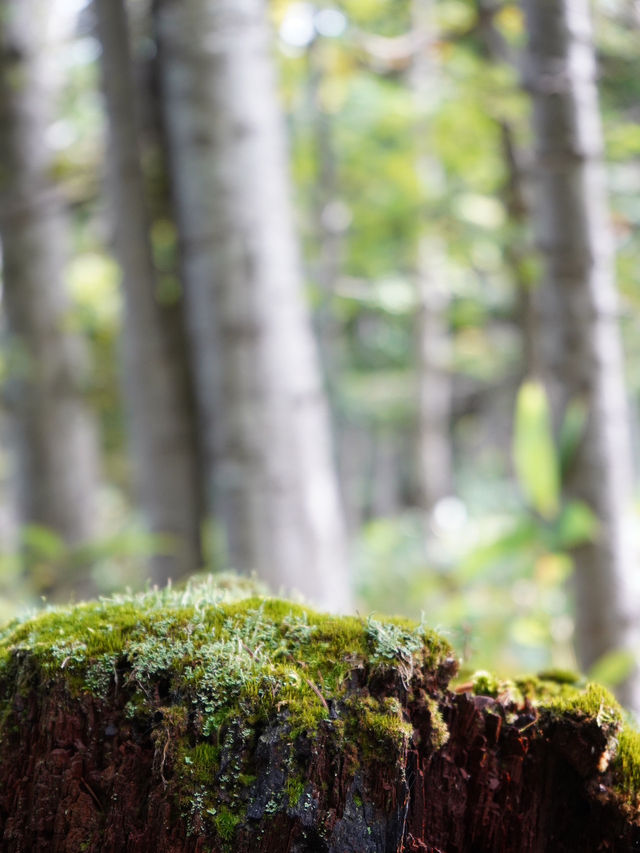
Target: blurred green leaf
576,524
510,547
534,454
42,543
613,667
529,631
623,140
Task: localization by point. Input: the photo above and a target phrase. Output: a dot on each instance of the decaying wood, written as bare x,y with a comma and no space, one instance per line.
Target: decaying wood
83,772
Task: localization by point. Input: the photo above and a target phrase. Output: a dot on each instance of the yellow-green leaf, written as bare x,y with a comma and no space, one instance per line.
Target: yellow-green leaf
534,453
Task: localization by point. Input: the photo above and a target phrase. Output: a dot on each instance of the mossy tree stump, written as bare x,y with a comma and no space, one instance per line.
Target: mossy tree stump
204,721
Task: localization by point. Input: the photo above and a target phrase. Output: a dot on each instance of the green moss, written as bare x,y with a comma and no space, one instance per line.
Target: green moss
562,676
439,730
205,668
556,692
627,763
217,650
201,762
294,789
561,694
226,822
378,728
485,683
593,702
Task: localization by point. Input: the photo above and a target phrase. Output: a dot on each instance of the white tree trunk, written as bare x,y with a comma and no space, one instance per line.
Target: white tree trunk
258,373
324,214
434,378
163,445
433,349
52,435
584,362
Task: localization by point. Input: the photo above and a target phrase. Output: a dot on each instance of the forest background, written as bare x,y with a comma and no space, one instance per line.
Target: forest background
417,180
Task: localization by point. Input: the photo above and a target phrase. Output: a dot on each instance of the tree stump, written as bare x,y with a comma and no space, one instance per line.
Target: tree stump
201,720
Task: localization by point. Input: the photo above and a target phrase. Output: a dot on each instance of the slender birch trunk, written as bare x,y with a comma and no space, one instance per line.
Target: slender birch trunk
516,193
431,328
434,380
330,219
326,211
163,444
258,374
584,364
154,160
52,435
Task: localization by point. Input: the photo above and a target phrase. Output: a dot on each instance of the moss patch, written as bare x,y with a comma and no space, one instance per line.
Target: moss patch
378,727
226,822
591,702
627,764
247,715
294,789
217,649
565,694
208,668
561,694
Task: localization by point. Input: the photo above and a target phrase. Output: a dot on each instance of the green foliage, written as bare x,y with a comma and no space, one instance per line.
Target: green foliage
42,564
534,452
494,585
575,525
613,668
497,579
294,790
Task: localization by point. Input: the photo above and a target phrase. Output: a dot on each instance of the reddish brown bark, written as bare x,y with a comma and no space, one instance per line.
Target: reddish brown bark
78,774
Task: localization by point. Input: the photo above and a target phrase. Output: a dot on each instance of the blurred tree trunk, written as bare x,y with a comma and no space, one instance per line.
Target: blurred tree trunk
257,370
329,216
432,330
53,437
578,320
434,380
384,492
163,444
516,191
154,160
